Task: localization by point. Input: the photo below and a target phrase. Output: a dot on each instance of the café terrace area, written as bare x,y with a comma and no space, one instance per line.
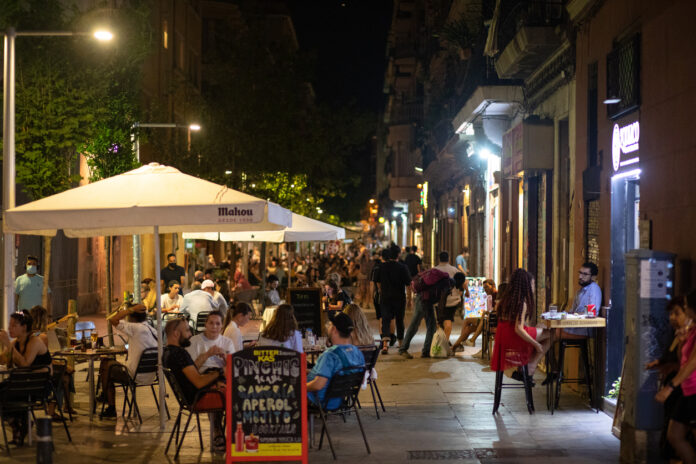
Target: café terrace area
436,409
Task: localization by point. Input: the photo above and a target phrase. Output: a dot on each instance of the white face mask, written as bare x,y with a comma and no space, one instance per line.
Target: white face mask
31,269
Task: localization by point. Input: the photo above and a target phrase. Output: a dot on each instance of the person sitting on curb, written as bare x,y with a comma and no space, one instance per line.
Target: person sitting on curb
340,355
140,337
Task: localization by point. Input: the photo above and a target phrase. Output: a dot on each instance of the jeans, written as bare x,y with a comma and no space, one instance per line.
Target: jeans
420,311
393,310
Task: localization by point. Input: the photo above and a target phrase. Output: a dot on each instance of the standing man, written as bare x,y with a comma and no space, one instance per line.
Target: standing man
172,272
392,279
589,293
29,287
413,263
461,261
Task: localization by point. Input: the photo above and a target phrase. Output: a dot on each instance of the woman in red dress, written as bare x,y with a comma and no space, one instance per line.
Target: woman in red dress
517,344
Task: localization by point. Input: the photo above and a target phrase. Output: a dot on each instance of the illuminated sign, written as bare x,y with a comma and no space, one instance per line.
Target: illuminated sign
424,196
625,140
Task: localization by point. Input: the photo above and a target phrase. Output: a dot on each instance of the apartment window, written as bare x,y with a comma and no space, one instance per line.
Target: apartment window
165,34
623,76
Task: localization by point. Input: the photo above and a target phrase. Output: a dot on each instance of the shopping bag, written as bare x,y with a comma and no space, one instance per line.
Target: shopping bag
440,345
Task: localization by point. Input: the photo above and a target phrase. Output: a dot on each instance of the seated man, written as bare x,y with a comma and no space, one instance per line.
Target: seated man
272,297
179,361
140,336
199,301
342,354
589,293
209,348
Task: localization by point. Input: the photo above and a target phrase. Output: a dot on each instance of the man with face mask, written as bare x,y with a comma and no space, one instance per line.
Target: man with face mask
172,272
185,370
29,287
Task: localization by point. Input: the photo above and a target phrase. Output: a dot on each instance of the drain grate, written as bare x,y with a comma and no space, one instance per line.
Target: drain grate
440,455
485,454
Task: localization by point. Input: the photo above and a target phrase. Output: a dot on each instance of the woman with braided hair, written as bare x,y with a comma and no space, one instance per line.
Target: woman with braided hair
517,344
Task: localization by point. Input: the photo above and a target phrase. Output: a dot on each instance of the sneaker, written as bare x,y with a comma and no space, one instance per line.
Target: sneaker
219,445
405,354
478,354
109,413
470,343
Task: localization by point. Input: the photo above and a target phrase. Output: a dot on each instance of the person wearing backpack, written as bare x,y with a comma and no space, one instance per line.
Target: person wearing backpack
392,278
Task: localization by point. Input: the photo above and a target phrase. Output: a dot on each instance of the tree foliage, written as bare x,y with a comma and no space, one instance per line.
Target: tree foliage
73,94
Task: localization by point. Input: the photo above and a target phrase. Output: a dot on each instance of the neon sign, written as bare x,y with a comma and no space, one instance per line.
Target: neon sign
624,140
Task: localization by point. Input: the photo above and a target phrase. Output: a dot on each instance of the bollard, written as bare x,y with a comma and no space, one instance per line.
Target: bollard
44,440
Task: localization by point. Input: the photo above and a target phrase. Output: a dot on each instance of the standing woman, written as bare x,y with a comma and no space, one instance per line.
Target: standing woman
681,422
516,343
282,330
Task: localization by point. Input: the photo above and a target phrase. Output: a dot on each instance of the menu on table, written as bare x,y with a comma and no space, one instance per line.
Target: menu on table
266,404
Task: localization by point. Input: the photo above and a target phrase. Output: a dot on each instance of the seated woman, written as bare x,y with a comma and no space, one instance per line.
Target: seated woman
282,330
27,351
336,299
361,334
171,301
517,344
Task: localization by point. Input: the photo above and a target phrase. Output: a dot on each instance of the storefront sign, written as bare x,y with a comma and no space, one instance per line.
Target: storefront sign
625,141
266,405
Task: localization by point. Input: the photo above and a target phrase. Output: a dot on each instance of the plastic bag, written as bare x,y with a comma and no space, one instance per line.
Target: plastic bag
440,345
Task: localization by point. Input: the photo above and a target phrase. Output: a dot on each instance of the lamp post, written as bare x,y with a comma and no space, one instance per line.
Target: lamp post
135,138
8,148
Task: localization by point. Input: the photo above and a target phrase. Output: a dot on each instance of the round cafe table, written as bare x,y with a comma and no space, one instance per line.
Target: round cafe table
91,355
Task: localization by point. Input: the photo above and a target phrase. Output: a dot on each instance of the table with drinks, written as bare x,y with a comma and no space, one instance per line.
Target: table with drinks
91,350
553,319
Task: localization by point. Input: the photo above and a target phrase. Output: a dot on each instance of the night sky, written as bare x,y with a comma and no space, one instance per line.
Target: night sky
348,38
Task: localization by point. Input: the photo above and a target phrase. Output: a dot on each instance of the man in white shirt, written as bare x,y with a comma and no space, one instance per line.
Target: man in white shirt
140,337
198,301
241,314
209,348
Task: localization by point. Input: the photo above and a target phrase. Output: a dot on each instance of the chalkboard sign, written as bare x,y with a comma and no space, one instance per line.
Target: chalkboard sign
307,305
266,405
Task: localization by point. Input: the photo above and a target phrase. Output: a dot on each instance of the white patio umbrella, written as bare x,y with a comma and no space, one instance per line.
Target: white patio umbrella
303,229
150,199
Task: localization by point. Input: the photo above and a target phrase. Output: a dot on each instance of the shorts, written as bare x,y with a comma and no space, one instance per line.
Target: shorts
685,410
448,313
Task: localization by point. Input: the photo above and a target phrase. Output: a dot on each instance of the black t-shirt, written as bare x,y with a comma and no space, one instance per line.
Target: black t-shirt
393,277
167,274
176,359
412,261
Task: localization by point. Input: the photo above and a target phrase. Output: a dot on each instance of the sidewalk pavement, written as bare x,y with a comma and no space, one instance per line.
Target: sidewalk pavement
437,409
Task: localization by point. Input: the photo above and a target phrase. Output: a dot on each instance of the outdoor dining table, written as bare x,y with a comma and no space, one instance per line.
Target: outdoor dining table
566,323
91,355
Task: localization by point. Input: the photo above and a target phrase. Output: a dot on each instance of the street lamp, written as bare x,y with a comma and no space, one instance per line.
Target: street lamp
8,147
135,139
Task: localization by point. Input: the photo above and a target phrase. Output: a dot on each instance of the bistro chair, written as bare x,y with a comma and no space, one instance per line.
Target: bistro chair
60,367
25,390
146,365
190,408
345,384
199,325
499,385
371,353
580,344
490,323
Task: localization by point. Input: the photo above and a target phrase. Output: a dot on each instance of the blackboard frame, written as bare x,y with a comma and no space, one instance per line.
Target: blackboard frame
315,294
304,456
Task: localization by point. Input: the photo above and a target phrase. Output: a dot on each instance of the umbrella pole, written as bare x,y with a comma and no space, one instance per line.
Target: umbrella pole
160,371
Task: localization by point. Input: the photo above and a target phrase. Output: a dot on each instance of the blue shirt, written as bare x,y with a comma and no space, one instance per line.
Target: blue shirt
328,364
589,294
460,261
29,290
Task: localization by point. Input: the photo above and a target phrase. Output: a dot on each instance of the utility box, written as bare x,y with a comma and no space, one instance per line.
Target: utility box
649,287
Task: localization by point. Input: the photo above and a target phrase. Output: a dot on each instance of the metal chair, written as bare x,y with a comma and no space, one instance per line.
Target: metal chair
490,323
580,344
199,325
371,353
146,365
191,408
60,367
345,384
499,385
25,390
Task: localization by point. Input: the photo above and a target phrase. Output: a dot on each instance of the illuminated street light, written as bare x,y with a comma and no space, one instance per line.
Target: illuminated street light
381,220
227,173
103,35
194,127
372,201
